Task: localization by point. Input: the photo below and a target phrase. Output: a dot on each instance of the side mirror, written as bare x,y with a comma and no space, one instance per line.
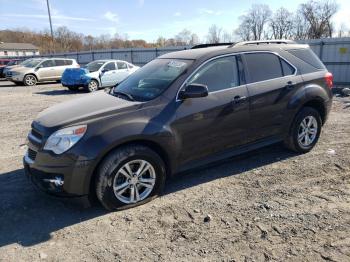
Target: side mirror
194,91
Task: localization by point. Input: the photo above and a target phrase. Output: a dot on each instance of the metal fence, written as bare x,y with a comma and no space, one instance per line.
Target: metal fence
334,53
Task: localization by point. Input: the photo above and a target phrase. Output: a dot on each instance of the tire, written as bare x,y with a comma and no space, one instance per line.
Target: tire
73,88
92,86
301,139
30,80
111,175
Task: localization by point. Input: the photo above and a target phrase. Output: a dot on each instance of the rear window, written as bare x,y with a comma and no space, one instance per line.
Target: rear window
59,62
263,66
308,56
68,62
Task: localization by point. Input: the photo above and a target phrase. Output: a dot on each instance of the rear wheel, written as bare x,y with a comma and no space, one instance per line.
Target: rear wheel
29,80
130,176
92,86
305,131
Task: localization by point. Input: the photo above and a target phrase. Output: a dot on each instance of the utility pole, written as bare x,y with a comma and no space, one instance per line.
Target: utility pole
48,10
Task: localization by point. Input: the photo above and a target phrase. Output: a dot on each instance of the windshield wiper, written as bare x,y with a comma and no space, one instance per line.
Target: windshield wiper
130,97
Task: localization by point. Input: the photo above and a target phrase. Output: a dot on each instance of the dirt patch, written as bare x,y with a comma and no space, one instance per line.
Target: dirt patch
269,204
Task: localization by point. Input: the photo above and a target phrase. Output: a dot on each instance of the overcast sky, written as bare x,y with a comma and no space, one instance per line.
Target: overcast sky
146,19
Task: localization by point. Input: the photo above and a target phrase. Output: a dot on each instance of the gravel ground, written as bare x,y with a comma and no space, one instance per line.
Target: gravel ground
268,205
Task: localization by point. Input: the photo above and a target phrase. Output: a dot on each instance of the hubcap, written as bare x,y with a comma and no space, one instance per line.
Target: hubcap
134,181
307,131
30,80
93,85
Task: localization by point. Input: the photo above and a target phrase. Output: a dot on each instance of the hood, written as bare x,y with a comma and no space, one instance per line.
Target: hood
21,69
83,110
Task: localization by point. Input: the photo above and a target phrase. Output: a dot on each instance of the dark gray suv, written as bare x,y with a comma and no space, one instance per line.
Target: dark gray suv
180,111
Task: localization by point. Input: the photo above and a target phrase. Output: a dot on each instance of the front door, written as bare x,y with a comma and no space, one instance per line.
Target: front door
219,121
108,74
46,70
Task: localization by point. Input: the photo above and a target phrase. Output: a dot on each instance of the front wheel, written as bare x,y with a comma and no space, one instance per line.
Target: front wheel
30,80
92,86
305,131
130,176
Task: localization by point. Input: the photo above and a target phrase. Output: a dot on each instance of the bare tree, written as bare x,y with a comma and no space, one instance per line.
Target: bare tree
184,37
318,15
214,34
282,24
253,23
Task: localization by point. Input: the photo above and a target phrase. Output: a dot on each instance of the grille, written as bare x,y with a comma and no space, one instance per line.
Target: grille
36,134
31,154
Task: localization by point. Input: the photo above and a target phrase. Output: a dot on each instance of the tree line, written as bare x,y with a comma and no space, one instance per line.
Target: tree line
313,19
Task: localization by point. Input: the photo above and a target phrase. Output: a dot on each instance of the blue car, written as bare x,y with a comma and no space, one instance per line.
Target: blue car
97,74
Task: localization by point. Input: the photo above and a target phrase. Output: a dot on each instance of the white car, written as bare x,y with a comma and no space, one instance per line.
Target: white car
97,74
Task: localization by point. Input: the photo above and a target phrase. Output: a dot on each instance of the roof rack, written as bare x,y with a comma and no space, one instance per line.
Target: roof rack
264,42
211,45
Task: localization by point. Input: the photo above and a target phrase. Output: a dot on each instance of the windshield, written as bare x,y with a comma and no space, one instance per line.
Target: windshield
94,66
152,79
32,63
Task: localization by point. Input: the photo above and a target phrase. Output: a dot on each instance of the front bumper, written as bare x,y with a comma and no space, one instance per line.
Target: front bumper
58,175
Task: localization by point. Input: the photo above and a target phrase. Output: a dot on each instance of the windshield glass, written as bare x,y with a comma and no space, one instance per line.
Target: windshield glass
94,66
32,63
152,79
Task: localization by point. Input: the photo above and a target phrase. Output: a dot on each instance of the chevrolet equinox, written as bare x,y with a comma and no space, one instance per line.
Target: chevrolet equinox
180,111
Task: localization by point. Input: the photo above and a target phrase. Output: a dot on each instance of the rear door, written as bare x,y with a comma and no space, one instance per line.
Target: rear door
46,70
59,68
123,70
219,121
271,82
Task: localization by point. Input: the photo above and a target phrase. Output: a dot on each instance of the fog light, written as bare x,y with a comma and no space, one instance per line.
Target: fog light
57,181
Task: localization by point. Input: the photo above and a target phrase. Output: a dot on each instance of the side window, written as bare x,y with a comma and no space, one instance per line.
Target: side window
263,66
68,62
287,68
122,65
59,62
110,66
219,74
48,63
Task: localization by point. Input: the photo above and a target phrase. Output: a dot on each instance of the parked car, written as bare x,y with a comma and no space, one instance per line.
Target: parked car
39,70
97,74
3,63
11,64
180,111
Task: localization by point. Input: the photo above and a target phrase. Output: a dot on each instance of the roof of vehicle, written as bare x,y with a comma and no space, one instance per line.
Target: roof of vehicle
197,53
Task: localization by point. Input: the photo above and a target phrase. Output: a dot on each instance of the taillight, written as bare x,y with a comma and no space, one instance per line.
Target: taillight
329,79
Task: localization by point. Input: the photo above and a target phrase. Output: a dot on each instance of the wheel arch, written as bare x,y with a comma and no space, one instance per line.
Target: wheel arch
163,154
33,74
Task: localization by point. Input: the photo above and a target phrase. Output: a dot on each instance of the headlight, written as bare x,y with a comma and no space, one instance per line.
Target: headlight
63,139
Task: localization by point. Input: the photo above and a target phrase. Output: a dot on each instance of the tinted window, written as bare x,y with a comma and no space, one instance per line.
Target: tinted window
287,68
94,66
59,62
122,65
154,78
308,56
110,66
48,63
218,74
68,62
263,66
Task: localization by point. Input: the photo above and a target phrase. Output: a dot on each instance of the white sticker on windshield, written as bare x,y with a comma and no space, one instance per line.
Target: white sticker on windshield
174,63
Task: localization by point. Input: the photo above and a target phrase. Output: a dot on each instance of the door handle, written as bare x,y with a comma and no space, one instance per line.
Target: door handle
239,99
290,85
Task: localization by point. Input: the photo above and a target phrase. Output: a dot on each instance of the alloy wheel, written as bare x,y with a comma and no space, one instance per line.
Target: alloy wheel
134,181
93,86
307,131
30,80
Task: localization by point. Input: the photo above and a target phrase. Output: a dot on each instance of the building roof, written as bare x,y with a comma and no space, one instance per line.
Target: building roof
17,46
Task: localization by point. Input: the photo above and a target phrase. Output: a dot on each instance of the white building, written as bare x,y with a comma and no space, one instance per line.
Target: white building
17,49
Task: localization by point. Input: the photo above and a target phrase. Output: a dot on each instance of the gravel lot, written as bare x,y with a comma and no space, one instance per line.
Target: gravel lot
267,205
